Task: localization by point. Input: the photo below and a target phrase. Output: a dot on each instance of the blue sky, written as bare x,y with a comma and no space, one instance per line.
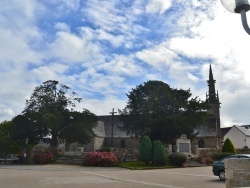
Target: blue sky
102,49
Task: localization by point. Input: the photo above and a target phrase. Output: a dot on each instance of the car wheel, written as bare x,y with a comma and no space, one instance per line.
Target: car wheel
222,175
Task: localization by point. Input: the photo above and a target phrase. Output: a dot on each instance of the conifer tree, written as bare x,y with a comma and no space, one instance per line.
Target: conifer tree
145,150
159,154
228,147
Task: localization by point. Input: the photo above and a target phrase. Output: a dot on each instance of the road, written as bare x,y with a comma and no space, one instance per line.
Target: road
70,176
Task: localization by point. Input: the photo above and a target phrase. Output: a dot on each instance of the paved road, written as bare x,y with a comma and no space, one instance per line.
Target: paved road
69,176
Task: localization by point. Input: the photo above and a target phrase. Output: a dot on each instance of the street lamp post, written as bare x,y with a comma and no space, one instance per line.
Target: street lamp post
240,7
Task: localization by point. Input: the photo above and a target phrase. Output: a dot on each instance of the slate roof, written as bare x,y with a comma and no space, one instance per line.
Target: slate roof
224,131
245,129
206,131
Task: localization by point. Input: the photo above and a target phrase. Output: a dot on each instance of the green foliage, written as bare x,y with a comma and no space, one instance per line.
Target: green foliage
228,147
161,112
138,165
219,156
50,111
145,150
159,154
101,159
7,144
178,159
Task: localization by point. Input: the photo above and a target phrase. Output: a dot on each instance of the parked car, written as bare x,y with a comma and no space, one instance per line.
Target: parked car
219,167
9,159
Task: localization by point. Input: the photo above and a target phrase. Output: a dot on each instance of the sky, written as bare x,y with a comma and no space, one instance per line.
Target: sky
102,49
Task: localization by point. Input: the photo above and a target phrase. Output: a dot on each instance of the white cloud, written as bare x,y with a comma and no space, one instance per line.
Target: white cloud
122,65
158,6
74,49
62,27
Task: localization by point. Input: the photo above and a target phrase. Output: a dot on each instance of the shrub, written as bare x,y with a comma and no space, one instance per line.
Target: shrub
228,147
43,157
159,154
101,159
126,154
178,159
145,150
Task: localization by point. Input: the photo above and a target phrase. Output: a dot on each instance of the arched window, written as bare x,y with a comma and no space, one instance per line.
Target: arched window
122,143
201,143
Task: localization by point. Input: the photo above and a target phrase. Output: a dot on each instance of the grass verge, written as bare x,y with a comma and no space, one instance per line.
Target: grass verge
138,165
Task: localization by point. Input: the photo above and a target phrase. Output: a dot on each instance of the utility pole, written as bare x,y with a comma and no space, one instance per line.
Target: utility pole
112,126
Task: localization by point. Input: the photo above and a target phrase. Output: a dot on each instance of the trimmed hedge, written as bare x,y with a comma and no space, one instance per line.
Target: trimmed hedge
178,159
101,159
145,150
159,155
228,147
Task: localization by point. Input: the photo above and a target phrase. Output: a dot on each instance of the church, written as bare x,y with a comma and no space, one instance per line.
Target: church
108,133
209,134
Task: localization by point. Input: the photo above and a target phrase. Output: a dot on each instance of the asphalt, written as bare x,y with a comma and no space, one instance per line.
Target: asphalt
73,176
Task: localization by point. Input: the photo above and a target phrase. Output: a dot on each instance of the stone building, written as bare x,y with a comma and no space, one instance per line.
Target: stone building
108,134
209,134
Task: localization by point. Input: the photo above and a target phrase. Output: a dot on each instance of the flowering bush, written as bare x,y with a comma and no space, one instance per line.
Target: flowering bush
43,157
101,159
126,154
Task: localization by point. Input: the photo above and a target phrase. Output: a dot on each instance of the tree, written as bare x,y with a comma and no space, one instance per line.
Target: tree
49,115
7,144
163,113
228,147
145,150
159,154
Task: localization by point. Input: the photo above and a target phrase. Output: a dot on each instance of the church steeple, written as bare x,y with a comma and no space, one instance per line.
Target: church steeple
212,96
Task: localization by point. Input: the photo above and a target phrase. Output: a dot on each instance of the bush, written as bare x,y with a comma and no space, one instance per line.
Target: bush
178,159
101,159
145,150
126,154
219,156
43,157
228,147
159,154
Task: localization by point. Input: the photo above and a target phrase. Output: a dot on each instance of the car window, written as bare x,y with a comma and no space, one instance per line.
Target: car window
243,157
229,157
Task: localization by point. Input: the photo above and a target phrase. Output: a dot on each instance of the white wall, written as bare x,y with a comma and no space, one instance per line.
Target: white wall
237,138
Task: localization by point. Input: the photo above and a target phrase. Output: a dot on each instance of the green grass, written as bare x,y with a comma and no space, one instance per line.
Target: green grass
138,165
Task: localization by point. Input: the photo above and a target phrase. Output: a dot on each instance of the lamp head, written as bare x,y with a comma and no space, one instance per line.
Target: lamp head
236,6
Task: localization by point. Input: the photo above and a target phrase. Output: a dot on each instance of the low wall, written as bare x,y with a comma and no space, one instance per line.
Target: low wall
237,173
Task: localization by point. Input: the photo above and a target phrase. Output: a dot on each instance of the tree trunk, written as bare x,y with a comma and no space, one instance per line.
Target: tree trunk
53,143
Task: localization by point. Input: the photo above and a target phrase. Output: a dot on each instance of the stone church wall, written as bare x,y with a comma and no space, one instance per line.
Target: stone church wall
206,142
120,142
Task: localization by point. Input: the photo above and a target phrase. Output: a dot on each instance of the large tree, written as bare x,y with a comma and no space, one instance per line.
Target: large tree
162,112
49,115
7,144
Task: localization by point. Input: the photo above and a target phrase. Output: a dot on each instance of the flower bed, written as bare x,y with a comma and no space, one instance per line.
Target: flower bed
101,159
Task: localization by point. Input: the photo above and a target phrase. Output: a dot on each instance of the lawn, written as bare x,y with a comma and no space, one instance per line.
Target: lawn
138,165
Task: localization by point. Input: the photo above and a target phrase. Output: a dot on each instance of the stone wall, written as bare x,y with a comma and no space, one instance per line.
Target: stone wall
237,173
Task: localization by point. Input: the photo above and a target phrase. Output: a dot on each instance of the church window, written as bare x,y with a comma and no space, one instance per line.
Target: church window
201,143
122,143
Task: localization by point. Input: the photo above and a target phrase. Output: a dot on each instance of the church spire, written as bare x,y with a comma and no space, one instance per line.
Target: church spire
212,96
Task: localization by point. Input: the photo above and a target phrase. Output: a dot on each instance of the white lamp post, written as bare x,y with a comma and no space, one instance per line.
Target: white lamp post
240,7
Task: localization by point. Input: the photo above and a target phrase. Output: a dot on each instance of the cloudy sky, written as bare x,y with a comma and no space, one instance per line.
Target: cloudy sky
104,48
